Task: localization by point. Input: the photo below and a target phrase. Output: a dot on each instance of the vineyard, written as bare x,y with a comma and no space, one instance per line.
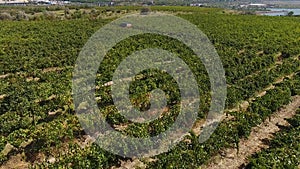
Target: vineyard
261,57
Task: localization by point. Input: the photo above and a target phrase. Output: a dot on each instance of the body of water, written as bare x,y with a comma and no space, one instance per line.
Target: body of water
280,11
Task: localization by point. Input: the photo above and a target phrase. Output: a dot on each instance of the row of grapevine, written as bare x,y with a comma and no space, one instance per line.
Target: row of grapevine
190,153
254,55
284,148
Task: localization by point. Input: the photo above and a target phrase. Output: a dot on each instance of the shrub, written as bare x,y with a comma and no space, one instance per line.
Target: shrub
145,11
5,16
21,15
49,15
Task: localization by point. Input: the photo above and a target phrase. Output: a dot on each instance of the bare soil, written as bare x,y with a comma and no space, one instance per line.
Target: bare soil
15,162
229,158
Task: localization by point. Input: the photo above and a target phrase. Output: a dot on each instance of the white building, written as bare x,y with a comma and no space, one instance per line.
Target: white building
3,2
257,5
197,4
254,6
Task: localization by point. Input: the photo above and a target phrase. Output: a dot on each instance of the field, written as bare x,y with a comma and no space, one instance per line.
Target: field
39,127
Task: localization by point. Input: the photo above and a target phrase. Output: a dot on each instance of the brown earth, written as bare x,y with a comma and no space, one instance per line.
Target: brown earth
229,158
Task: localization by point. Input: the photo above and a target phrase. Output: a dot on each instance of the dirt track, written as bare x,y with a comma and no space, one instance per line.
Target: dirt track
229,158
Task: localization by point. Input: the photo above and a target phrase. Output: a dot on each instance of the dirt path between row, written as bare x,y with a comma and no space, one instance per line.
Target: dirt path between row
229,158
136,163
45,70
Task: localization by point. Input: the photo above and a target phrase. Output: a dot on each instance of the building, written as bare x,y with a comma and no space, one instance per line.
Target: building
255,6
13,2
197,4
258,5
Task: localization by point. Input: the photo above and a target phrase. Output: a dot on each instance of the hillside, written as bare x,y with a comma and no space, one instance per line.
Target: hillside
40,125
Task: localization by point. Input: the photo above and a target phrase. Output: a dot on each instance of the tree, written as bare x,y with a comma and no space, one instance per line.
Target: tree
291,13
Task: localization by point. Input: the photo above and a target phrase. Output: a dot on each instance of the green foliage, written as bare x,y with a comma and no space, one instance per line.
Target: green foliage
291,13
284,150
38,59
